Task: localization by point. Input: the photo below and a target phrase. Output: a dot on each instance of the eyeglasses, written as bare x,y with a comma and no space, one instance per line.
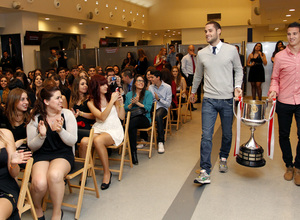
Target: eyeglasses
140,80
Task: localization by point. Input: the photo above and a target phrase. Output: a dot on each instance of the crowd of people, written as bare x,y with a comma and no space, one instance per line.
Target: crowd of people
45,114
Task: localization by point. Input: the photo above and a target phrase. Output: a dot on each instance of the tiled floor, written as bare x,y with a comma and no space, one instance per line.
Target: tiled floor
162,187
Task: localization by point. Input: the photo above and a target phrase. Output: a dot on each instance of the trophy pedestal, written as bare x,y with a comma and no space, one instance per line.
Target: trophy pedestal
251,154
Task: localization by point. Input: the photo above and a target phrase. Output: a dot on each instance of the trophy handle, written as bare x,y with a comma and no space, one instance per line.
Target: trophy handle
234,101
271,116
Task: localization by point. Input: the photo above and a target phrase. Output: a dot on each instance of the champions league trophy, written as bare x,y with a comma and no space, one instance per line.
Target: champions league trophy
252,114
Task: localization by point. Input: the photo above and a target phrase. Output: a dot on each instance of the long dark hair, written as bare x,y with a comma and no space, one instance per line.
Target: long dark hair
75,91
261,49
167,76
13,99
45,94
276,47
141,98
94,90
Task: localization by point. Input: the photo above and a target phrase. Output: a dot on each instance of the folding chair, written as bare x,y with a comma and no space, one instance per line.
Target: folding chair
152,136
25,201
125,145
81,170
188,109
178,111
168,127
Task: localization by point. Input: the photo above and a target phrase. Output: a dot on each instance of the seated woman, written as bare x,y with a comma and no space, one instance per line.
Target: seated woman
138,97
108,109
78,105
51,135
55,77
17,116
9,170
180,83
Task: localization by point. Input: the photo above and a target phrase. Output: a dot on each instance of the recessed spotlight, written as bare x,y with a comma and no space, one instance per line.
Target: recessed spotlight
276,29
47,19
155,34
143,32
168,30
284,20
169,35
173,34
292,9
288,15
125,30
165,35
80,23
123,10
149,32
179,32
116,8
106,27
130,12
97,3
137,14
106,5
143,16
85,0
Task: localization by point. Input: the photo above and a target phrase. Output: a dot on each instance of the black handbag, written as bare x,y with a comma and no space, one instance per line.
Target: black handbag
137,112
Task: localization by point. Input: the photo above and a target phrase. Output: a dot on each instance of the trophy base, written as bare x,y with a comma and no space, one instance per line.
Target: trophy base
251,157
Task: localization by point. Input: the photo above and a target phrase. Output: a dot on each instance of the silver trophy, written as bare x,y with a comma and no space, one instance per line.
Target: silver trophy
253,115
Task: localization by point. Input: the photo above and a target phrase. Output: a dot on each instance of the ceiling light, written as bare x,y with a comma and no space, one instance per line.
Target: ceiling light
97,2
276,29
173,34
106,27
288,15
47,19
179,32
80,23
125,30
168,30
143,32
85,0
137,14
149,32
292,9
130,12
155,34
106,5
284,20
143,16
116,8
123,10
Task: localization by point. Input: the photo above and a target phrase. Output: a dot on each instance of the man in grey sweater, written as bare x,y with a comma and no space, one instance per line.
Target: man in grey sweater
216,63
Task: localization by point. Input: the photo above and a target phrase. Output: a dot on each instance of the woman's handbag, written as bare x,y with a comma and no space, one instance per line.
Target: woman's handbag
137,112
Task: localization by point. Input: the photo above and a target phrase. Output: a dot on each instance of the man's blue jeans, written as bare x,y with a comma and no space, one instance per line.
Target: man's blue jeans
210,110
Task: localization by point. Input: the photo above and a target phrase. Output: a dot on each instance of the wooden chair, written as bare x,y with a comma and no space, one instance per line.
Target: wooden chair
25,201
125,146
168,128
178,111
153,139
188,108
80,171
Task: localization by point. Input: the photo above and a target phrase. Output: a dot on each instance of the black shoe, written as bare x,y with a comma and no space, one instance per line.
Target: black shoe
105,186
62,214
193,109
41,218
134,158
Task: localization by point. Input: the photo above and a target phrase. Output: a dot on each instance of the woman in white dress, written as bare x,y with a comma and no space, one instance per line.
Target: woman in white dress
108,109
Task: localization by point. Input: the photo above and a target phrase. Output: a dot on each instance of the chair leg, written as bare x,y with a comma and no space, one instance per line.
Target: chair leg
33,212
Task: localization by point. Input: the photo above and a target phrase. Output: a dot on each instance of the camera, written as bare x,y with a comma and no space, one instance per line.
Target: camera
113,78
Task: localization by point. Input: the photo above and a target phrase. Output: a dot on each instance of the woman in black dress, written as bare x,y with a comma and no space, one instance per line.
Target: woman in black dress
78,105
9,170
255,61
51,135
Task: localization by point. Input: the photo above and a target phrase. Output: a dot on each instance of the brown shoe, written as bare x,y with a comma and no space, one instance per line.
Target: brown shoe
297,177
288,176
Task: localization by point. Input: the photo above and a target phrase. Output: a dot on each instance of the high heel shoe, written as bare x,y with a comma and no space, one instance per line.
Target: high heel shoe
105,186
41,218
134,158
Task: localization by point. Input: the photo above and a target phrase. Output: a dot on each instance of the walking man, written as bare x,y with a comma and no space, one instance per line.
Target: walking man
216,63
285,86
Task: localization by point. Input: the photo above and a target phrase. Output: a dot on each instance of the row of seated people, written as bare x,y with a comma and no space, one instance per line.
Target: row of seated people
52,130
